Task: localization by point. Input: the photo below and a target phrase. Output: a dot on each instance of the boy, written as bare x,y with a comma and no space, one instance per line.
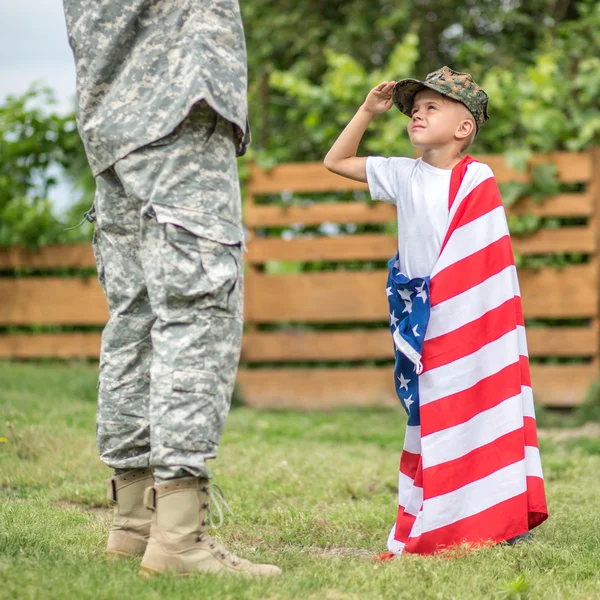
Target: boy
470,470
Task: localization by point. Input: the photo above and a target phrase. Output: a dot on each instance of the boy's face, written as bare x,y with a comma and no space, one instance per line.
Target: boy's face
437,121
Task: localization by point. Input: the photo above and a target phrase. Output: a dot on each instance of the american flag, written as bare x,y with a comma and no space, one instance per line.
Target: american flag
470,470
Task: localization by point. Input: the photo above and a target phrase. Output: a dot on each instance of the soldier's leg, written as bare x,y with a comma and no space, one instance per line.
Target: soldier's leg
123,398
192,257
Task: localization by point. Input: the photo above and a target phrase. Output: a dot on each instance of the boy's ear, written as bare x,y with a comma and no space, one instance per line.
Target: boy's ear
464,129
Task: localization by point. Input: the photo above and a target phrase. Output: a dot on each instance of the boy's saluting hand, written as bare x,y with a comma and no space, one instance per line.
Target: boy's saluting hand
379,99
342,159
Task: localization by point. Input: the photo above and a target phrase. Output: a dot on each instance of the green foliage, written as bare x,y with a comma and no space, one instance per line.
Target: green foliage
312,63
35,145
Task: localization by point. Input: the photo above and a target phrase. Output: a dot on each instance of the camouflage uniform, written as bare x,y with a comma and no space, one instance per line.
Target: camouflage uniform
162,112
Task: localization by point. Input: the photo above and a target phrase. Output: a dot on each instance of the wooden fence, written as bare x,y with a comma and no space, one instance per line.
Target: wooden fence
319,338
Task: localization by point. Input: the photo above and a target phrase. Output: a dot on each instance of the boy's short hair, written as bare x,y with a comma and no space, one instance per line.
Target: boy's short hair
459,87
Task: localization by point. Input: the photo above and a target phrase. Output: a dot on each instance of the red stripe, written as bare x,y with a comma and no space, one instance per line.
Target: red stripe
495,524
471,337
456,178
525,372
471,271
481,200
477,464
404,525
462,406
536,501
530,434
409,463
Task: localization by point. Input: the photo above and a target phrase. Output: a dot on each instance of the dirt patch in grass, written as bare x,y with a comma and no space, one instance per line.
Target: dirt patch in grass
589,430
102,512
335,552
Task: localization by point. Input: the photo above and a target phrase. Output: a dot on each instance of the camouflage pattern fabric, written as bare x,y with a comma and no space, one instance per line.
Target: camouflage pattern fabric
168,246
143,64
455,85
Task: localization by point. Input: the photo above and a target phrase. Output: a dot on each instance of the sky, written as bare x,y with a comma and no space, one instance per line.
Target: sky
34,47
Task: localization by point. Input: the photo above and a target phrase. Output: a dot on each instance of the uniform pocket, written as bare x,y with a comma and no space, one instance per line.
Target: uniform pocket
193,423
199,273
195,381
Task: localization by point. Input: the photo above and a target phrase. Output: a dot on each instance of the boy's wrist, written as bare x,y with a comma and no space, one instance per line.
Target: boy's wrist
363,109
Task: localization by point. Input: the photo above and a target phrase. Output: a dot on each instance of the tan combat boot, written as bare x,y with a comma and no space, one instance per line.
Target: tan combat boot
178,540
131,521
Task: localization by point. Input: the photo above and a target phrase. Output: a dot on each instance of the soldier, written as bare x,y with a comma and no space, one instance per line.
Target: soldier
161,109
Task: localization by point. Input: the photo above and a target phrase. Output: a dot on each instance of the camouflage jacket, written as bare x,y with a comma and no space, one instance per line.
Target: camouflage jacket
142,64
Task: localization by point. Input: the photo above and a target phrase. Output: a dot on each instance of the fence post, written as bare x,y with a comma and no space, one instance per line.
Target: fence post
594,190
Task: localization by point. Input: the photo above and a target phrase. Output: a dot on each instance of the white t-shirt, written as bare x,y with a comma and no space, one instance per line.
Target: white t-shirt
420,193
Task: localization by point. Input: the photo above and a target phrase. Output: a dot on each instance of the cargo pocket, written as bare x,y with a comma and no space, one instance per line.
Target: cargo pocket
199,274
193,421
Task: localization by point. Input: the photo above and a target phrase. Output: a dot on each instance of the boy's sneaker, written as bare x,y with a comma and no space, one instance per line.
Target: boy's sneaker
520,539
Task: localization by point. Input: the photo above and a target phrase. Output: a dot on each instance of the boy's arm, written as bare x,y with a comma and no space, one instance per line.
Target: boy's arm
342,159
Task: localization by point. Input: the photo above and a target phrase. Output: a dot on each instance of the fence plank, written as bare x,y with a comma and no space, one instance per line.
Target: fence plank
48,257
298,345
358,296
382,247
50,345
556,385
52,301
562,205
314,177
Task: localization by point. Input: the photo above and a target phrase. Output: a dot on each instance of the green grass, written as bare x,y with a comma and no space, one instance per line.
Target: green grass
314,493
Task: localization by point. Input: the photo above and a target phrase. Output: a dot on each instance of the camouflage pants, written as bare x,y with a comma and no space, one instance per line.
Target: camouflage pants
168,246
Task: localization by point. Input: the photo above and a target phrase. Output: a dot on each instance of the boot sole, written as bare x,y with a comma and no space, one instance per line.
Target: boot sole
116,554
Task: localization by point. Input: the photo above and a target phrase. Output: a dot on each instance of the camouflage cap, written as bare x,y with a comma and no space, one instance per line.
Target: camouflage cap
455,85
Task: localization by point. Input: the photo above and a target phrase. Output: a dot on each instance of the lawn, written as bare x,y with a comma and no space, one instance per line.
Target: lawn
314,493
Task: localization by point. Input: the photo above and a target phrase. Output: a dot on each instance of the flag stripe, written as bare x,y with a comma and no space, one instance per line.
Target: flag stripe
471,271
465,372
477,200
476,496
485,427
477,464
471,238
500,522
457,408
476,174
471,304
470,337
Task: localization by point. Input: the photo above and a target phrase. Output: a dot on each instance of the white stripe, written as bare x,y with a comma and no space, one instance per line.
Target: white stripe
533,462
417,528
410,496
472,238
393,545
482,429
415,501
528,407
476,174
405,485
522,340
465,372
473,303
475,497
412,439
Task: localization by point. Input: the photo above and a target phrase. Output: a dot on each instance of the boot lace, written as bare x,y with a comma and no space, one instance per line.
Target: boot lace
216,504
